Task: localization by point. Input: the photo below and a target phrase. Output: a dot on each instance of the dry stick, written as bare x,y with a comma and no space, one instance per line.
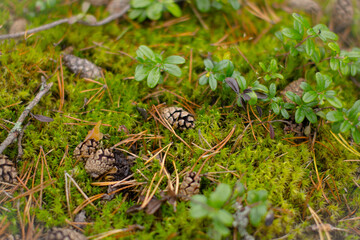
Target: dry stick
197,14
16,130
21,135
68,21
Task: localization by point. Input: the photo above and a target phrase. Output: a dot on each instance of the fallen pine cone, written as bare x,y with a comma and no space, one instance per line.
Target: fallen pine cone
100,163
190,186
85,149
64,234
122,167
293,87
178,118
8,172
82,66
342,15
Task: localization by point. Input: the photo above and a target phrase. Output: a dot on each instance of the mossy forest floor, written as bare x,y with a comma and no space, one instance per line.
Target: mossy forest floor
297,174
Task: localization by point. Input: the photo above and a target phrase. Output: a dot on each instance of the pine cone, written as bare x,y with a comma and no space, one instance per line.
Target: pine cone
190,186
7,170
100,162
309,6
64,234
178,118
293,87
85,149
342,15
122,167
82,66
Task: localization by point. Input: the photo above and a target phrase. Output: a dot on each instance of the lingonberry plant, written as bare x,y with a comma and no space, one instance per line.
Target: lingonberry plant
152,65
153,9
206,5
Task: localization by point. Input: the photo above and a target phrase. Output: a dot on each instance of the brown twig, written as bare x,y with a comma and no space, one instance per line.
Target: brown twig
21,135
68,21
16,130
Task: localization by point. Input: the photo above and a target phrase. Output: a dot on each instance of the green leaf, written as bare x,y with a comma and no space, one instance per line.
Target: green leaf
174,60
134,13
172,69
272,90
224,217
174,9
235,4
299,115
253,98
306,87
292,33
355,134
334,101
334,64
153,77
353,112
309,96
345,126
252,197
140,3
275,107
329,35
285,113
301,20
353,70
221,65
310,115
147,52
154,10
353,54
334,46
212,82
335,116
262,195
208,64
141,72
198,206
242,82
257,213
309,46
221,194
280,36
344,68
203,5
220,228
203,80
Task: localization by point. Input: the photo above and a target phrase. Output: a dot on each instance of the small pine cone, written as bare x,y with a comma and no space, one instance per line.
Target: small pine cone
122,167
309,6
293,87
178,118
342,15
190,186
64,234
99,163
85,149
82,66
7,170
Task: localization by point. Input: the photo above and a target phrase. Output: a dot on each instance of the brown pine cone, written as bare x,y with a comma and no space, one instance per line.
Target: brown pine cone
100,162
122,167
342,15
178,118
7,170
82,66
64,234
309,6
85,149
293,87
190,186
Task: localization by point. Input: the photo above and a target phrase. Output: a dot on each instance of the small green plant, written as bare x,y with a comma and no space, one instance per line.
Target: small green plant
152,65
153,9
222,201
302,41
345,120
205,5
271,71
277,104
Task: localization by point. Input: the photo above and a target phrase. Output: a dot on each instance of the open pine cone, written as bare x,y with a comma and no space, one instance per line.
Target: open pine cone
85,149
178,118
82,66
190,186
100,162
7,170
64,234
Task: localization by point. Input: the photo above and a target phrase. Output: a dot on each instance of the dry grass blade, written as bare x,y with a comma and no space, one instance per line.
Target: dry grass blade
267,14
117,232
86,202
345,144
150,159
319,224
34,190
77,186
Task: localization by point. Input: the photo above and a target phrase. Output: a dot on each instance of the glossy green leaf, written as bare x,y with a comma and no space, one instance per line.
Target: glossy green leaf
140,3
154,10
208,64
221,194
153,77
257,213
174,60
334,64
285,113
141,72
174,9
353,70
353,112
356,134
345,126
225,217
203,80
146,51
299,115
212,82
344,68
275,107
334,46
309,46
309,96
235,4
292,33
172,69
221,65
335,116
203,5
310,115
334,101
304,22
199,207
